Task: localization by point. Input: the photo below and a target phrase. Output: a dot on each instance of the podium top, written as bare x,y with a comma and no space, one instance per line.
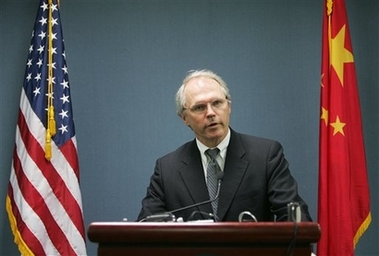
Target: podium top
218,232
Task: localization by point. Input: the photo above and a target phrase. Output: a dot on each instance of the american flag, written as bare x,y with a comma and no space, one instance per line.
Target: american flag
44,201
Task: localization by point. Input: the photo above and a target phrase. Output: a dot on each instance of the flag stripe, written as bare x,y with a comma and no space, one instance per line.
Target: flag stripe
27,235
49,173
70,153
36,150
36,223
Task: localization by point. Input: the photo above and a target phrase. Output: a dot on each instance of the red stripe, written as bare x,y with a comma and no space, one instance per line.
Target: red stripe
34,199
69,151
54,179
75,214
57,185
27,236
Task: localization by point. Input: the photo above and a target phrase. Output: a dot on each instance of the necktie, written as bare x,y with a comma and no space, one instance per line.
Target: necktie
212,169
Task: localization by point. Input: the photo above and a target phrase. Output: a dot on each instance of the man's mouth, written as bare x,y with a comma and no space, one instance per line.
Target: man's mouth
212,124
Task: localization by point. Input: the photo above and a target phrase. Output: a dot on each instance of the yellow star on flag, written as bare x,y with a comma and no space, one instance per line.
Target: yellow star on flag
339,54
324,115
338,126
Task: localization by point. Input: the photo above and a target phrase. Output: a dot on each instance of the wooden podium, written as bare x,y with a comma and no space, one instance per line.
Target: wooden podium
204,239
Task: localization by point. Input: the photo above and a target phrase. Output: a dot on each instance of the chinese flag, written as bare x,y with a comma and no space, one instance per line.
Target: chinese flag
343,195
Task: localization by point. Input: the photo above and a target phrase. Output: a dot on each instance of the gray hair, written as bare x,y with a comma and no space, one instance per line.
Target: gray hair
180,97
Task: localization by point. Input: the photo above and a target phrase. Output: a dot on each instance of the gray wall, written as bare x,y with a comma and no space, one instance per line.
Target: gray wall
127,58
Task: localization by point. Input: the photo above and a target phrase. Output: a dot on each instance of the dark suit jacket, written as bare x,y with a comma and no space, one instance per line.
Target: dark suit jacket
256,179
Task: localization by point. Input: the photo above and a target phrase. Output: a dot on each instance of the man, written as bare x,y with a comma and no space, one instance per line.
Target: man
255,176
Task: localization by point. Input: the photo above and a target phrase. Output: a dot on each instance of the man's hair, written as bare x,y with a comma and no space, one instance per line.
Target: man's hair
180,97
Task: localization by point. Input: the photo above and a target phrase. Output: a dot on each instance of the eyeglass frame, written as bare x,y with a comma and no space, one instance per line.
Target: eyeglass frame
204,106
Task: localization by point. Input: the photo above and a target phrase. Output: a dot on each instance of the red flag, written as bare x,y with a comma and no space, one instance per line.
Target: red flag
44,201
343,196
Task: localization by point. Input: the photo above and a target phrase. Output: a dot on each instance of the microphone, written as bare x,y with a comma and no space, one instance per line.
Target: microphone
169,216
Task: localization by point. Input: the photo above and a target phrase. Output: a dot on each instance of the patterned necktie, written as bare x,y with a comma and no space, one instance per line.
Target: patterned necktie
212,169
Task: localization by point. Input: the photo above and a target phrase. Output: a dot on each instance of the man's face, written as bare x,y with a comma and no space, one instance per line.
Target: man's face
207,111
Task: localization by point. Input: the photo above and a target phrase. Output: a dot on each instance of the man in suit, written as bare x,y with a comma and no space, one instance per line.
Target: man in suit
256,177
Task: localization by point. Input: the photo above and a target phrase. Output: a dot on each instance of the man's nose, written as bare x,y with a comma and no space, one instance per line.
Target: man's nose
210,110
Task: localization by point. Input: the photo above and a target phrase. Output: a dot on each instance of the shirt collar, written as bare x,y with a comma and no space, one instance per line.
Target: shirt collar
222,146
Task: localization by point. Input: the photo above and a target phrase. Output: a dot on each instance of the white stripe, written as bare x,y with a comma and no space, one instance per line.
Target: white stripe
40,183
30,218
66,173
58,160
59,214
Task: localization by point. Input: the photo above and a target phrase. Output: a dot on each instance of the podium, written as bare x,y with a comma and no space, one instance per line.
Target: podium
204,239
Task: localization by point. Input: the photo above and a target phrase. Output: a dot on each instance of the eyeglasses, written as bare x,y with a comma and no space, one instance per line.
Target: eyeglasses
202,107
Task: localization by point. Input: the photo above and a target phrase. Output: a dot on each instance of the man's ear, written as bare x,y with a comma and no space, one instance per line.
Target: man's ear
184,119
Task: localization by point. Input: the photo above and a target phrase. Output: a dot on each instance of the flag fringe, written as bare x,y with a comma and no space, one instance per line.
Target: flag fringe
22,247
364,226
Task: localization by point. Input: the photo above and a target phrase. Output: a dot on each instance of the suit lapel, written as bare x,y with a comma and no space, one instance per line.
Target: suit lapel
234,170
193,177
192,174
